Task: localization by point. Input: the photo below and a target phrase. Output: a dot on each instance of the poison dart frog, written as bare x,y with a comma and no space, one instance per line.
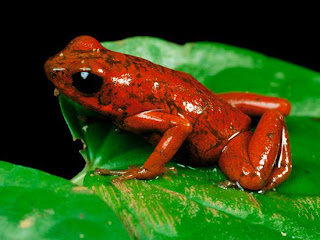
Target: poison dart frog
176,113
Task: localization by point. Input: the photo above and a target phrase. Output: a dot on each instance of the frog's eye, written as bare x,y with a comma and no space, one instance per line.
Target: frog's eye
86,82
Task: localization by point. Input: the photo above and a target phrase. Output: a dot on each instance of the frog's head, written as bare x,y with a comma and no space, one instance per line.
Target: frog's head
78,71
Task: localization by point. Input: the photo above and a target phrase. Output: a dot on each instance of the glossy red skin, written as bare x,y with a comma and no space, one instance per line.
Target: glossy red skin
154,101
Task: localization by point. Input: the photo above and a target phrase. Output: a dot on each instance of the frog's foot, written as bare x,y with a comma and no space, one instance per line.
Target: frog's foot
262,160
230,184
134,173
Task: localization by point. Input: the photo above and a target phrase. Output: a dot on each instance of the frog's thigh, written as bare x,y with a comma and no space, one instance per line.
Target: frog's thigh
175,130
250,158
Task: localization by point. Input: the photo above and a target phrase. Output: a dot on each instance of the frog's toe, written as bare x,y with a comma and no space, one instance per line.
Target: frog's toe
170,169
229,184
134,173
122,178
104,171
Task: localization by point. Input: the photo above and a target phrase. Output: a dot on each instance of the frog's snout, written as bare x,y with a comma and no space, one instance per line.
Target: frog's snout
57,73
51,70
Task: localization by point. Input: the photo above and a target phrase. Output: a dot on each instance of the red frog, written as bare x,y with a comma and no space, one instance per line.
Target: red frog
176,113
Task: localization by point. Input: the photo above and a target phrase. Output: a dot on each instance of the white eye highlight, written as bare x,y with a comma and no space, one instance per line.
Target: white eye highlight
84,75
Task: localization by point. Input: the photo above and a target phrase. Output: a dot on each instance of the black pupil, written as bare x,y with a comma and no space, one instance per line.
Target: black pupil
86,82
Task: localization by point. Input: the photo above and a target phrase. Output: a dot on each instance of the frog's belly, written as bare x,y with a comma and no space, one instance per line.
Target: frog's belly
210,135
201,148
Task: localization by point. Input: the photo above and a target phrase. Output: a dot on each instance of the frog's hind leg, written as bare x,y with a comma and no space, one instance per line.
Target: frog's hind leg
255,104
261,160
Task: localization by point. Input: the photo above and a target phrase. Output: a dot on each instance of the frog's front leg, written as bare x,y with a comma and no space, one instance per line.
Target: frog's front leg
175,130
261,160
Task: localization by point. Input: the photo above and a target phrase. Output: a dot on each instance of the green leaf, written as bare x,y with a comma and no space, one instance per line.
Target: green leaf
37,205
189,203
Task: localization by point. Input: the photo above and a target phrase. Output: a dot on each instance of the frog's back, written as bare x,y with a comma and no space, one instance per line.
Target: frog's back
214,121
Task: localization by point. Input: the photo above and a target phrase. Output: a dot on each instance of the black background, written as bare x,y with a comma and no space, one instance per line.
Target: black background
38,135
